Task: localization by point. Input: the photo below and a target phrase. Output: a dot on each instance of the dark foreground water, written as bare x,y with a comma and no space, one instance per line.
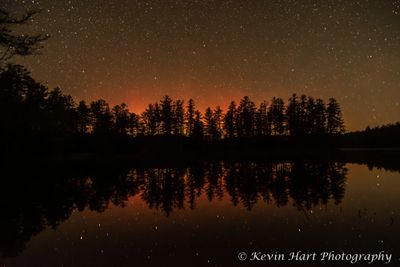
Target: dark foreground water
198,215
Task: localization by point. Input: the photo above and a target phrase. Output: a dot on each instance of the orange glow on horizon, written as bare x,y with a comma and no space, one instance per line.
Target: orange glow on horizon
138,98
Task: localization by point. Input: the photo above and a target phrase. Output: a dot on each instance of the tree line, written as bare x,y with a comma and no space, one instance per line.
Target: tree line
379,136
28,106
32,107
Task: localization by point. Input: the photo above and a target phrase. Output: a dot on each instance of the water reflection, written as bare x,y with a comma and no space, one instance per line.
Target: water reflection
34,199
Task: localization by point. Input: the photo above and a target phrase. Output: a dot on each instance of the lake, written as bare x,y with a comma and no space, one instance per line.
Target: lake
201,214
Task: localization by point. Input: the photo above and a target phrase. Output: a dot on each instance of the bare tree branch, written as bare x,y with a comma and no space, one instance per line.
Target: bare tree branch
5,17
22,44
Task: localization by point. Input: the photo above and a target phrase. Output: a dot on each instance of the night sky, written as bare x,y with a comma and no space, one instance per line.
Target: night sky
216,51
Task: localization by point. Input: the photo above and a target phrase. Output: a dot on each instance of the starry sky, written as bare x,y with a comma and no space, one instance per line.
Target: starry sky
216,51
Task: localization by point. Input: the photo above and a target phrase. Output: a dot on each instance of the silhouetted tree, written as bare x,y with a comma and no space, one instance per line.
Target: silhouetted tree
246,117
335,123
276,113
61,111
292,113
151,119
195,183
279,191
83,113
121,119
34,105
337,173
302,115
230,121
17,44
319,117
134,122
310,119
189,117
210,126
102,117
14,82
262,123
218,122
158,118
141,126
23,103
179,117
198,127
166,115
214,180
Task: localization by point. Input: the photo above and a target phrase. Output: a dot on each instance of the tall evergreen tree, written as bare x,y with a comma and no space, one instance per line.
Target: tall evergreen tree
166,115
335,123
292,113
83,113
210,126
179,117
320,117
218,122
310,120
198,127
121,119
189,117
61,111
102,117
276,113
134,122
262,124
151,120
34,105
230,120
246,117
302,115
14,82
157,117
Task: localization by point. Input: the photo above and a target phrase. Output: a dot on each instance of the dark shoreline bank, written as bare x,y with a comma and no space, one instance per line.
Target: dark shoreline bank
387,158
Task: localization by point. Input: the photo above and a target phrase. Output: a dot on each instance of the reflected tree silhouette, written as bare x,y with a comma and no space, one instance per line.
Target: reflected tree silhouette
164,189
195,183
35,199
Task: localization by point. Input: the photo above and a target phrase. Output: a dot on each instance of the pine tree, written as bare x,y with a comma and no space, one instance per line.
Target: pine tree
292,113
189,118
302,115
60,109
310,119
335,123
263,125
134,122
276,113
230,121
121,119
83,112
102,117
209,125
151,120
179,117
218,122
320,117
166,115
246,117
198,128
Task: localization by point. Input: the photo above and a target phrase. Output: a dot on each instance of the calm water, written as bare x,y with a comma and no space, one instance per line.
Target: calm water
197,215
